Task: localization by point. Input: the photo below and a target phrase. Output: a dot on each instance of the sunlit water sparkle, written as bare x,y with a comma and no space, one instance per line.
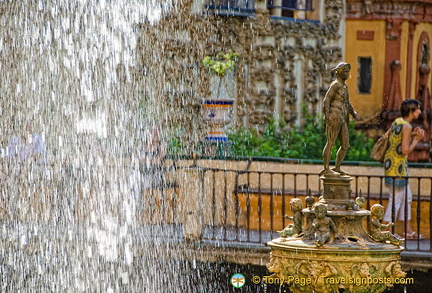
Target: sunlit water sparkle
70,225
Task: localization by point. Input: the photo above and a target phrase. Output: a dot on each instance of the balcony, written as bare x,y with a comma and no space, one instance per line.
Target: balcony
292,10
232,7
289,8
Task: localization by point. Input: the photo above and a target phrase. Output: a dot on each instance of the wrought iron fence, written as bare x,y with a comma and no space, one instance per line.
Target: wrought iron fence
231,205
248,207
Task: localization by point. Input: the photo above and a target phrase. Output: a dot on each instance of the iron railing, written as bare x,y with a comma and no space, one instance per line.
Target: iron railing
292,5
248,207
232,7
237,205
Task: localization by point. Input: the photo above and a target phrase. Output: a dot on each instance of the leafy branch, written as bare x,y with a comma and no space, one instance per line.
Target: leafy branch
220,65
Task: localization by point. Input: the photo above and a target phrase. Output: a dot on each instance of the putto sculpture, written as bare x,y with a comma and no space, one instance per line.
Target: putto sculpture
323,225
295,229
375,226
328,241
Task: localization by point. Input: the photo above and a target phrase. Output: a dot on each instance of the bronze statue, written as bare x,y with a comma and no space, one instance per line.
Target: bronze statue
323,225
336,110
375,226
296,206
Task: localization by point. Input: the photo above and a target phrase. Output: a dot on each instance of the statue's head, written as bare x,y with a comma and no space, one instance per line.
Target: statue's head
341,67
296,204
320,211
377,210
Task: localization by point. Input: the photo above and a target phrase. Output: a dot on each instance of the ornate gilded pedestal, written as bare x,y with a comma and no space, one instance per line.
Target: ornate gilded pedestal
326,257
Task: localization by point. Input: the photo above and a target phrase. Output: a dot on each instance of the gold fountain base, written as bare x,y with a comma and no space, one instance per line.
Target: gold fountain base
353,265
349,260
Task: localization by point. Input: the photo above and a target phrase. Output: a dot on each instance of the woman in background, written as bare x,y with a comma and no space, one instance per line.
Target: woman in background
402,141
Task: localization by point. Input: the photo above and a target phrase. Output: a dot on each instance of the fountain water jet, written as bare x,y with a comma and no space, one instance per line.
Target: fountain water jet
71,67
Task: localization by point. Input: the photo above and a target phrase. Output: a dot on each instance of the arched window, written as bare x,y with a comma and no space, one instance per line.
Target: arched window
423,86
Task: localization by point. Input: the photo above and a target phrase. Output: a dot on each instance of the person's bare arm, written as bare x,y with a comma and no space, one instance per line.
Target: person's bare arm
408,145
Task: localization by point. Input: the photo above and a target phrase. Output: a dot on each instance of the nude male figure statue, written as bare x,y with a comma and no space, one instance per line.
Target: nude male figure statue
336,110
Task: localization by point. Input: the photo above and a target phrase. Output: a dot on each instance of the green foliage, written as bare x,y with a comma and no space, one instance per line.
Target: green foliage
174,146
222,63
299,143
360,146
175,140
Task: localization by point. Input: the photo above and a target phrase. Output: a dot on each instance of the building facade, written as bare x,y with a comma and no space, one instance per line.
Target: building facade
388,44
287,50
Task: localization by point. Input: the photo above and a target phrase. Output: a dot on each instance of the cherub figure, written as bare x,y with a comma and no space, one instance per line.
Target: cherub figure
375,226
296,205
322,225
